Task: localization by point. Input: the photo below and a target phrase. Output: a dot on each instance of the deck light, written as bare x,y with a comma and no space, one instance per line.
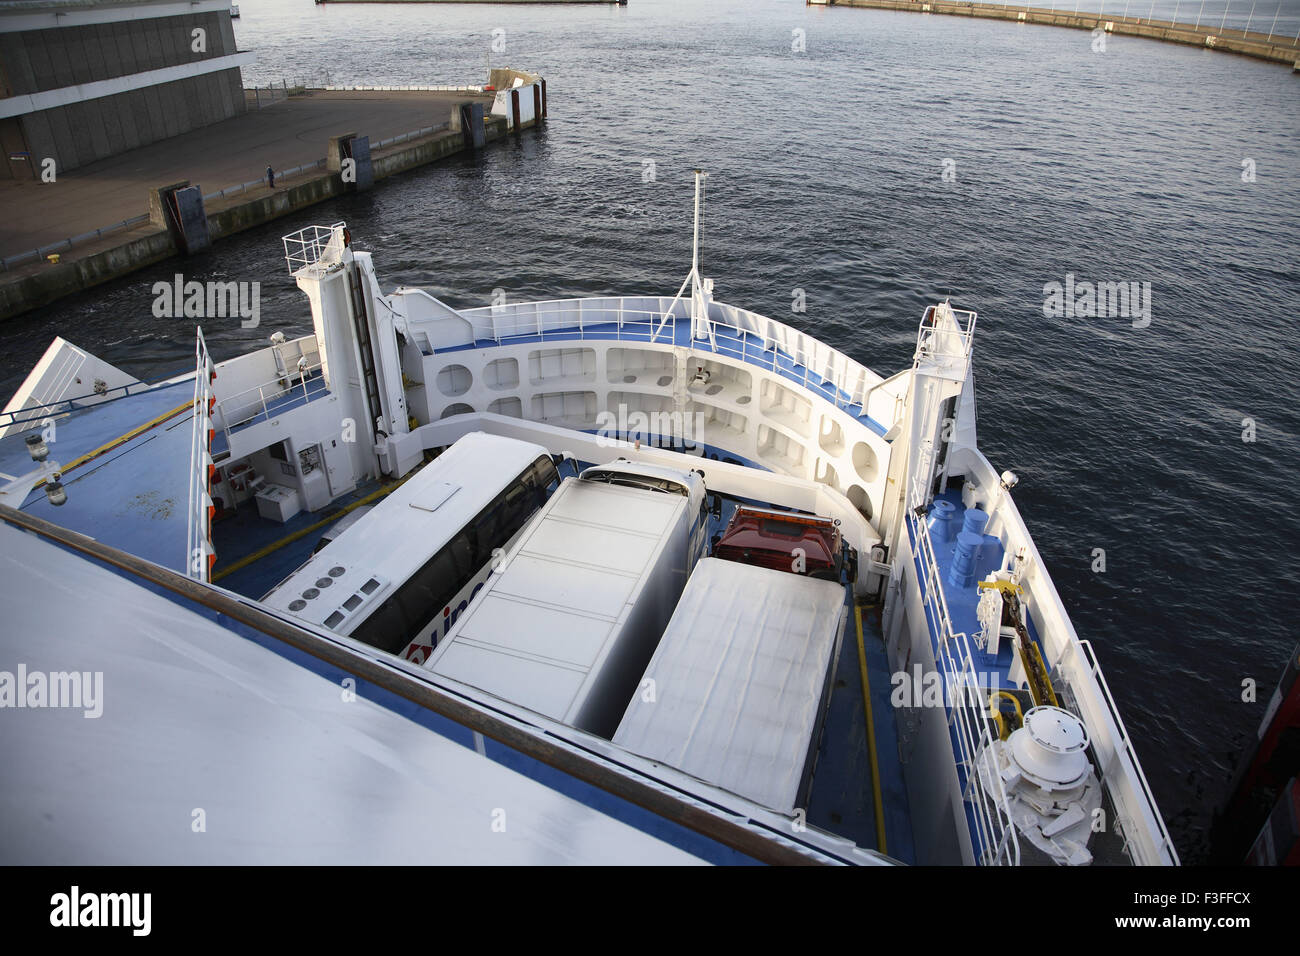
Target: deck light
1010,480
54,490
36,447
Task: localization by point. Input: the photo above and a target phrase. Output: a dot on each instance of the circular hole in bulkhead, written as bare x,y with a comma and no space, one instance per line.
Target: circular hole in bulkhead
454,380
859,498
865,462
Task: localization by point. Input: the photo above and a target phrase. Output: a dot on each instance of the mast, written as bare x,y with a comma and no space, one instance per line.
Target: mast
695,245
701,289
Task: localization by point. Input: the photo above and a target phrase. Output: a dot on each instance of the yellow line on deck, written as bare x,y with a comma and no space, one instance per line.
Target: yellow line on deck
248,559
871,732
121,440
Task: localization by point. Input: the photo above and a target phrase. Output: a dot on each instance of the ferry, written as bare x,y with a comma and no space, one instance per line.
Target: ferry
632,579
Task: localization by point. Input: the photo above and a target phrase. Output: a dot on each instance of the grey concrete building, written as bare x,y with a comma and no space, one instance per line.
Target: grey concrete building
81,80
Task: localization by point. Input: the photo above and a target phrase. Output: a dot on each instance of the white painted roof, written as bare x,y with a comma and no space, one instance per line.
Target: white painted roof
197,718
738,680
402,531
539,632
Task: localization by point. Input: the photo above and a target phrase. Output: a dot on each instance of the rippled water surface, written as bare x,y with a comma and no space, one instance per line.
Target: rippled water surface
826,175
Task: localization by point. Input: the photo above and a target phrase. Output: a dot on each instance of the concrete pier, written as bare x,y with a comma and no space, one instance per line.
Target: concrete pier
293,133
1277,49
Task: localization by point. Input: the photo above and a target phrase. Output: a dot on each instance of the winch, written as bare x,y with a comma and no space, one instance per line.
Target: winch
1051,788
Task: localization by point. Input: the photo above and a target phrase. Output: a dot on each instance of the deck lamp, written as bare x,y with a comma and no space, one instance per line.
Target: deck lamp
36,447
55,491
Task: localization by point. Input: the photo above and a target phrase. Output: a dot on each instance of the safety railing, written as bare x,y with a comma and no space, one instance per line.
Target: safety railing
941,337
262,96
36,255
258,183
462,88
752,338
284,174
413,134
199,553
306,247
1215,17
1124,744
993,833
41,411
262,402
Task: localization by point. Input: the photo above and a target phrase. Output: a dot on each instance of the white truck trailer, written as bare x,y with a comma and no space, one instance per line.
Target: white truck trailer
737,690
567,623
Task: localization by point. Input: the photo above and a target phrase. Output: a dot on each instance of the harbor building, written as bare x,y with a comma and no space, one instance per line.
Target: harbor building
82,80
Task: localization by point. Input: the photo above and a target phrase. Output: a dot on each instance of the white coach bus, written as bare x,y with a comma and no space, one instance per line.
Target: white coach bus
400,579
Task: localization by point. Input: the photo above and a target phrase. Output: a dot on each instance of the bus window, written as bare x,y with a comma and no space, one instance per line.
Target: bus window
420,601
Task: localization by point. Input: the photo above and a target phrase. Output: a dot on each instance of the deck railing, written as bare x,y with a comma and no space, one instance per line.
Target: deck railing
254,404
307,246
1124,746
750,338
993,834
938,338
199,553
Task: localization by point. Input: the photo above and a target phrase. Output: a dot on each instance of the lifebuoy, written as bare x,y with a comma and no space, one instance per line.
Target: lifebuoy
239,477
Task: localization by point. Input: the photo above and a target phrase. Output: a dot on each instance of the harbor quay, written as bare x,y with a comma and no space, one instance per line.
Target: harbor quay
1275,48
178,195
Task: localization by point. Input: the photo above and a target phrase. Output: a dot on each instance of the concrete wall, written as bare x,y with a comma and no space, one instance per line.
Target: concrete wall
39,60
48,283
36,61
82,133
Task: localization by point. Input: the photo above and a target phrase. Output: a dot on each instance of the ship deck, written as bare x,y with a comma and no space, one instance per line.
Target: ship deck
127,464
842,797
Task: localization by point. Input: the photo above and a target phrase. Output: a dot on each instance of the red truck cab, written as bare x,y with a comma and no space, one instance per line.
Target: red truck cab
799,544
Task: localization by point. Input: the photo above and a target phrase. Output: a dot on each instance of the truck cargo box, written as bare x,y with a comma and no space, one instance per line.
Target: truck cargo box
741,678
568,622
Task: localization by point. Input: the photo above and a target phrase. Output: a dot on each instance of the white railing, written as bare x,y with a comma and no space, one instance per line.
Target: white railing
1081,684
308,246
199,553
993,833
948,340
254,403
752,339
404,137
1125,744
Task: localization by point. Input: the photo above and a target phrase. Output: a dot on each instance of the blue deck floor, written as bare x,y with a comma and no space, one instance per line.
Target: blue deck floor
134,496
962,602
244,532
842,799
992,671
